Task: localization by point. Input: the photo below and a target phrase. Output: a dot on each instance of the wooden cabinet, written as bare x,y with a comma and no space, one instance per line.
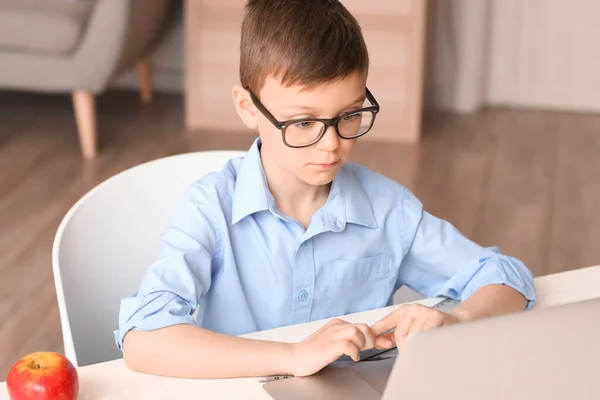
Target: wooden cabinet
393,29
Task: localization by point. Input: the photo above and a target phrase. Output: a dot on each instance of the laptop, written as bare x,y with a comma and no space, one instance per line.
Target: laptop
550,353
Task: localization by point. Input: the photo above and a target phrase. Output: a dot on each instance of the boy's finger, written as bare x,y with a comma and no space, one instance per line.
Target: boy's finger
388,322
368,336
403,329
336,321
385,341
350,350
417,326
351,333
430,324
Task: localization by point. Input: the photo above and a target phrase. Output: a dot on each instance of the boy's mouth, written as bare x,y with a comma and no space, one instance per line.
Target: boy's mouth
327,165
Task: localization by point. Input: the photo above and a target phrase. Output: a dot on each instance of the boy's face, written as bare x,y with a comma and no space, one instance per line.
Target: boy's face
318,163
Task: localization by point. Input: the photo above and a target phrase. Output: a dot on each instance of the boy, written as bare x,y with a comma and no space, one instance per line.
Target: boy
291,233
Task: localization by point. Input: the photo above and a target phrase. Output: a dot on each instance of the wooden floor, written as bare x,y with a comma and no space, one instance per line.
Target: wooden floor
526,181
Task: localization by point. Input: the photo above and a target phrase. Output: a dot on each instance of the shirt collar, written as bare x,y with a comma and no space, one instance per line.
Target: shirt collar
251,193
347,202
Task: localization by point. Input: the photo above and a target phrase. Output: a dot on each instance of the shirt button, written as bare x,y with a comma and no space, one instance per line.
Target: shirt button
303,295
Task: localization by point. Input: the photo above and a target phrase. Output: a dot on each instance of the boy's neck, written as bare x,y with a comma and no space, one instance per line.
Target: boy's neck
295,198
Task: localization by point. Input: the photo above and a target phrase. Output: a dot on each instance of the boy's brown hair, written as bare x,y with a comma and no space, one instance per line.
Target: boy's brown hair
305,42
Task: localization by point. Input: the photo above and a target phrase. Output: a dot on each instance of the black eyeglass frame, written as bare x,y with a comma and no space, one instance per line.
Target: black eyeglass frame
283,125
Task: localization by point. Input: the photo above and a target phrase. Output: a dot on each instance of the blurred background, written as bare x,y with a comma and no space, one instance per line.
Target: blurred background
489,114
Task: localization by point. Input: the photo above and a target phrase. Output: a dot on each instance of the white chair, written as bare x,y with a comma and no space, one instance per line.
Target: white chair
107,241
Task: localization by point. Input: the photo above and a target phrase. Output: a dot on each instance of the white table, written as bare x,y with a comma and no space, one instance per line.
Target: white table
112,380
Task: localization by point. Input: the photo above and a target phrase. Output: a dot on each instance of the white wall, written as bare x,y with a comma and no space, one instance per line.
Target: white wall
456,54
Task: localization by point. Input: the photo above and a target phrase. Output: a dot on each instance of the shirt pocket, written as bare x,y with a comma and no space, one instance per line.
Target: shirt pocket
355,285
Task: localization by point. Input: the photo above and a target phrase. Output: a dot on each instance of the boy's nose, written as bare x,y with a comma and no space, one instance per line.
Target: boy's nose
330,140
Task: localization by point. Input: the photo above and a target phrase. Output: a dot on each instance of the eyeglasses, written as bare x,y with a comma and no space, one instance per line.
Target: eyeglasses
304,132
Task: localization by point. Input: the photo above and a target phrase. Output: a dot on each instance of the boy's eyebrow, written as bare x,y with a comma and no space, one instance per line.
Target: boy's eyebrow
360,99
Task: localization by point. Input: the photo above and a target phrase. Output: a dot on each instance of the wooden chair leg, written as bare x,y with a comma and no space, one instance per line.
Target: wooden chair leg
145,80
85,115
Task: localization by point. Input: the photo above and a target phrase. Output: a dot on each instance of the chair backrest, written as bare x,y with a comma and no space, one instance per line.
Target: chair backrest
107,241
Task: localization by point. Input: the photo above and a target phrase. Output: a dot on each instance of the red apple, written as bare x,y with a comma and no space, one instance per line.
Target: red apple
43,376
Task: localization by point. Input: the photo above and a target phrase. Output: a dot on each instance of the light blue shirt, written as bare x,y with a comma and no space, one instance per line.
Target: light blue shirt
235,259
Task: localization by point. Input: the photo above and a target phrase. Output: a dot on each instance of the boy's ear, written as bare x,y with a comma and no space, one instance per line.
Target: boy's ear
244,107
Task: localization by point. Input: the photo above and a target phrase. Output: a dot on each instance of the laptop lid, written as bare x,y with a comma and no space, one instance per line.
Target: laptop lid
550,353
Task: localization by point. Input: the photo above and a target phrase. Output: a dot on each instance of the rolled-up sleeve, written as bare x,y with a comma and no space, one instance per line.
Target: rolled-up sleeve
175,283
440,261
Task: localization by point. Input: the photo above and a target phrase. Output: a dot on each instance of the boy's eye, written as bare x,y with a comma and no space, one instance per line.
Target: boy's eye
350,117
303,124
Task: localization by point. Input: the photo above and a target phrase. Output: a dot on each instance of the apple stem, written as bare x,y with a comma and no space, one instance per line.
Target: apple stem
39,366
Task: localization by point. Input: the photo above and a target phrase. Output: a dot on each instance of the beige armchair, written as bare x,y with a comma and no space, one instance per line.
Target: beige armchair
77,46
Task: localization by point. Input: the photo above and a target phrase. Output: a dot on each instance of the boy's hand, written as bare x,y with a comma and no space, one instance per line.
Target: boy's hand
326,345
407,320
